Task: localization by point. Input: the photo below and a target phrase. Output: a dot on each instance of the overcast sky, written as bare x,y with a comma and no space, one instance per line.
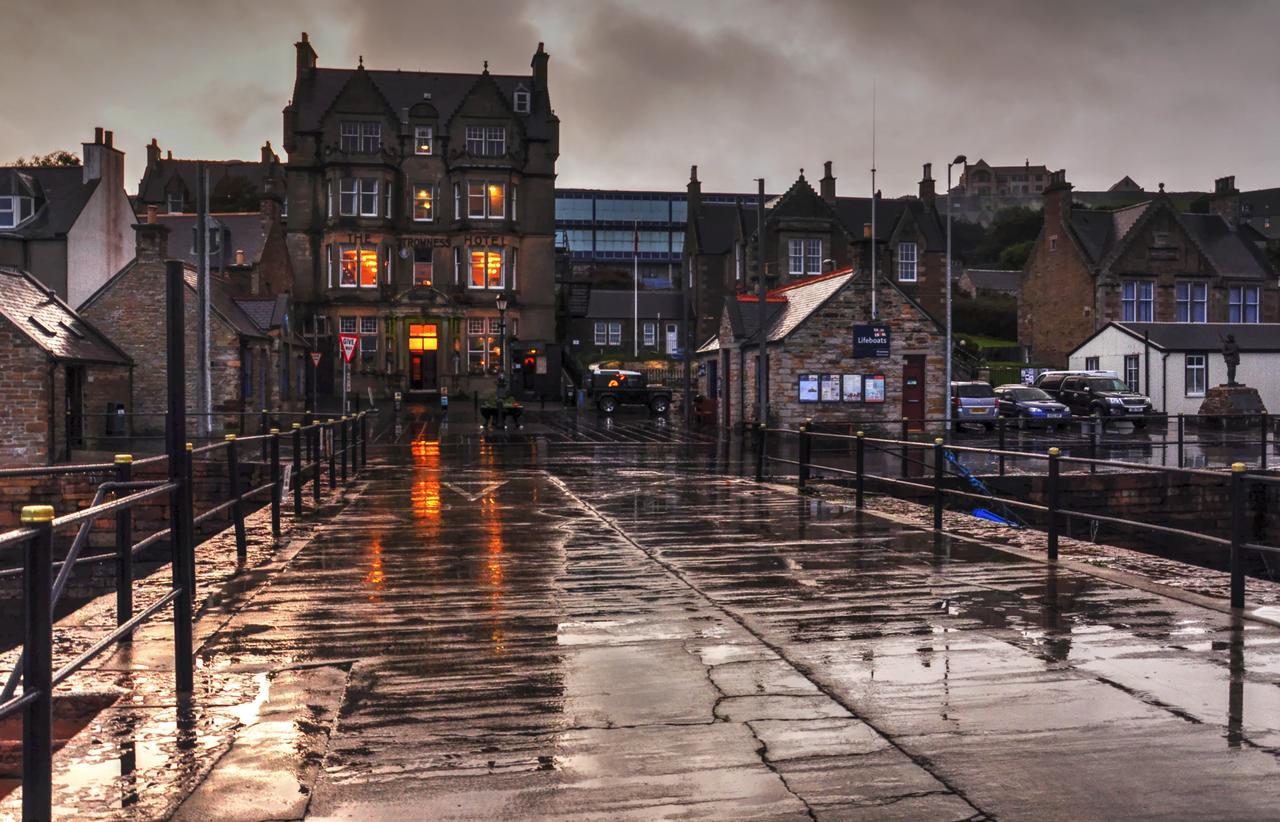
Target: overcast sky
1165,91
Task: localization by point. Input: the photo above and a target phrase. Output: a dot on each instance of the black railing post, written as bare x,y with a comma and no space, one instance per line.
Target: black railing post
860,466
297,470
189,516
237,504
124,548
904,450
275,484
1266,423
762,431
364,439
313,437
342,431
1001,425
802,471
263,425
939,465
1238,491
37,667
180,527
1051,496
333,445
1095,435
1182,427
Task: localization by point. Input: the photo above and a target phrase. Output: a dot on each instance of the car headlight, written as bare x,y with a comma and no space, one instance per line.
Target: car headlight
1037,412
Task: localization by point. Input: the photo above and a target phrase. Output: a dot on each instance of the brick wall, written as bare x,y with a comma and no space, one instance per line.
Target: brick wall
24,387
1056,307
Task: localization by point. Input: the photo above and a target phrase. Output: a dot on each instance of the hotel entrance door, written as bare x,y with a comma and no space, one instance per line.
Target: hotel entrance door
424,342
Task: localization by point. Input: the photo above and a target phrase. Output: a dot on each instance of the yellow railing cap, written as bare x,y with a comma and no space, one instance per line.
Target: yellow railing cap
37,513
229,437
297,425
1238,467
1055,451
275,430
124,459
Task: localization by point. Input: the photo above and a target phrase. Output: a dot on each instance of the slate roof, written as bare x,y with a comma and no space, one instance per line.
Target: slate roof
718,225
1259,337
405,89
610,304
1230,253
221,301
151,188
992,279
855,212
60,194
245,230
51,324
788,306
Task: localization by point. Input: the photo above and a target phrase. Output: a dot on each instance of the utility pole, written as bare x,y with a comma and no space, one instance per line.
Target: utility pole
204,388
762,366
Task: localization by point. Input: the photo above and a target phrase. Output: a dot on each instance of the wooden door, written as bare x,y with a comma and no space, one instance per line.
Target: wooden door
913,390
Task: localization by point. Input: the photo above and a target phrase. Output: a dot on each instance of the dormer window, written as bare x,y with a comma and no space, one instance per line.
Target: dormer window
522,101
15,210
215,238
174,202
422,140
358,137
486,141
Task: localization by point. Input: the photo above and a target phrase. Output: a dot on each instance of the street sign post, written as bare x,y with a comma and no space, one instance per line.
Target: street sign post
349,343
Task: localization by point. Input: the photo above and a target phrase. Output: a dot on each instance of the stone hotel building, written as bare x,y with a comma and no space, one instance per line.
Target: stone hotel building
415,200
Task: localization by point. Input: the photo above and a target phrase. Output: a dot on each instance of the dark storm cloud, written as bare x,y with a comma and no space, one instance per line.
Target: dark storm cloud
1177,92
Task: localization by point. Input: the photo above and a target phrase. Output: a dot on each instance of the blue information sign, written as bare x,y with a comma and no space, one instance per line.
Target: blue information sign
871,341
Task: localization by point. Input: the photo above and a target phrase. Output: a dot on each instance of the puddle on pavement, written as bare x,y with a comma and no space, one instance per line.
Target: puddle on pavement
71,714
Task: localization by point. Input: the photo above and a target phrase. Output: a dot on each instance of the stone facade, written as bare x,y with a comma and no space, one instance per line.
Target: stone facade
26,417
415,200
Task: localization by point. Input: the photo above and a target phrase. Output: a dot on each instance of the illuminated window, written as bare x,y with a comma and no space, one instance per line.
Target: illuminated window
422,139
423,203
486,200
480,356
906,262
486,268
358,267
475,325
423,337
422,273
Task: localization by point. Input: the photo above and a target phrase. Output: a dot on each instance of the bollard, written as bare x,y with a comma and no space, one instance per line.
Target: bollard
1238,491
859,465
37,670
939,463
333,473
761,432
124,549
1051,494
342,431
297,470
1001,423
275,484
904,450
237,505
802,471
1181,430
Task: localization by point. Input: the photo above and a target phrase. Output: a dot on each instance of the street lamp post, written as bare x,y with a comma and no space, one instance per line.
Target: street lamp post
958,161
502,350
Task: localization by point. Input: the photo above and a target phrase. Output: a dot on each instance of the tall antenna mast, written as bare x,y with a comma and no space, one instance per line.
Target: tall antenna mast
873,199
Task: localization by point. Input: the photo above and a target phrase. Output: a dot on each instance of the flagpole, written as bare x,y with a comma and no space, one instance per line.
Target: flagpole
635,292
873,200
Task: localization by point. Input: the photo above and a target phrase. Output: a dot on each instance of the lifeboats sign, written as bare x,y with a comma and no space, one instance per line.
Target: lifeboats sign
871,341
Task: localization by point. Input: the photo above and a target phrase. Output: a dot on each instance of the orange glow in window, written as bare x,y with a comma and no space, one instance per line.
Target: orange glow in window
423,337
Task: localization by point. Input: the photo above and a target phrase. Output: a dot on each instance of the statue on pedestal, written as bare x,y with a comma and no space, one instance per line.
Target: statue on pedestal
1231,355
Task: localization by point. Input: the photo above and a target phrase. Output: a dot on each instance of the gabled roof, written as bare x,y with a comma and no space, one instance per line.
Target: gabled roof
60,194
51,324
1256,337
1231,254
406,89
245,234
155,180
786,307
855,212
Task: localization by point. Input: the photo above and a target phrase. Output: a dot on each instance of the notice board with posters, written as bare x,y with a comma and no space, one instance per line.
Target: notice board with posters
871,341
873,388
851,388
808,388
830,388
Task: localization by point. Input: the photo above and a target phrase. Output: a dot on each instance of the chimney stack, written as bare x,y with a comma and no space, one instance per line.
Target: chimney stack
1225,201
102,160
1057,199
153,153
151,240
827,185
539,66
928,193
694,194
306,59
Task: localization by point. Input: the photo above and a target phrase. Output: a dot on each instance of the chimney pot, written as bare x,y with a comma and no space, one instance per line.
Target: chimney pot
109,139
240,256
151,214
866,231
97,135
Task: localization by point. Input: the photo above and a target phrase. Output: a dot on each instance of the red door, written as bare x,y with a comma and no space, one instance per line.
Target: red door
913,392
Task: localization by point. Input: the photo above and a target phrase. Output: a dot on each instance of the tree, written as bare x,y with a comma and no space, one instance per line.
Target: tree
59,158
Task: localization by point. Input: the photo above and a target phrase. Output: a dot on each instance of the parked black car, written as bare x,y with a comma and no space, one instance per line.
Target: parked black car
1031,406
612,388
1103,396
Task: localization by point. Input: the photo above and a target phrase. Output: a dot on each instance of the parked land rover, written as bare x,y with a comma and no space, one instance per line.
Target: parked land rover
612,388
1097,394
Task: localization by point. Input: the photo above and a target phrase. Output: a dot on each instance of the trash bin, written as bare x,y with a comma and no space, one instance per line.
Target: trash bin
115,419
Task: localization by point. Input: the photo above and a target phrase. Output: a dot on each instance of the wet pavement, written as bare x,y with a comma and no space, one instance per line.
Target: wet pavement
590,619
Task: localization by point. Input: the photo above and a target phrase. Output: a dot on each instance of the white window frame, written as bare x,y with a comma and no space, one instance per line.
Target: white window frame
488,251
615,333
485,212
431,202
1135,296
368,189
422,140
650,331
513,258
795,257
476,326
813,256
1132,371
1195,374
19,208
336,265
495,141
908,263
348,196
349,135
429,266
370,138
521,101
1091,363
1244,304
347,324
1191,301
475,140
169,202
515,199
602,334
737,261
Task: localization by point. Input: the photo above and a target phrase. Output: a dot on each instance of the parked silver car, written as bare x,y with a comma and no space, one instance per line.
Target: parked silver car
973,402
